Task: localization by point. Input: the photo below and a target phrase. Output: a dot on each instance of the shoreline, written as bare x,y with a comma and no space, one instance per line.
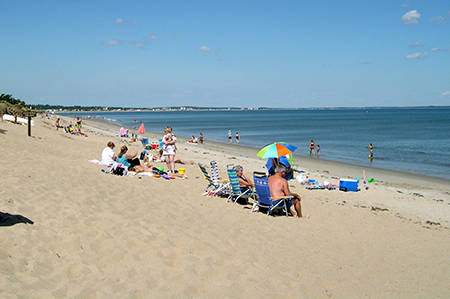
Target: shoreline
312,164
94,235
384,159
413,186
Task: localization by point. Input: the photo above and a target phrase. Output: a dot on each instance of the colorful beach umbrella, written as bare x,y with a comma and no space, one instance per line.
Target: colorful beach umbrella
276,150
141,129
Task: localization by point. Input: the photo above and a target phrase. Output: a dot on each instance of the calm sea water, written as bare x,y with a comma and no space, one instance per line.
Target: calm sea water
410,140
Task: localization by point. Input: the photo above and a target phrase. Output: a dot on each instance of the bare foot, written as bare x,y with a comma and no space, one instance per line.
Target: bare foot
305,217
293,212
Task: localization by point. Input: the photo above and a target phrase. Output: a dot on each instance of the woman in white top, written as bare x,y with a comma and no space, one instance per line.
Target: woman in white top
108,155
169,149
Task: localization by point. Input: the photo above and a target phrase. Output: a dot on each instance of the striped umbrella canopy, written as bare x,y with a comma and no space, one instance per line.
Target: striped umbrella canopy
276,150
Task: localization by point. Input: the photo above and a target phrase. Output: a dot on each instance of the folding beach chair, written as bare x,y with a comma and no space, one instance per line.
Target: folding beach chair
264,199
145,143
236,191
217,186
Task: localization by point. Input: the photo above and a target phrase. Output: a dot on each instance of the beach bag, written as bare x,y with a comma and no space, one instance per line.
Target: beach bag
158,170
119,169
143,155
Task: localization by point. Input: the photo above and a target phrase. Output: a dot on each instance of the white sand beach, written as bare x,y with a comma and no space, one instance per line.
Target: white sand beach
97,235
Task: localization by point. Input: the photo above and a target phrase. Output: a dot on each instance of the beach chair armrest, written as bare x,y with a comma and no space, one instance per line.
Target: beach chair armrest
281,197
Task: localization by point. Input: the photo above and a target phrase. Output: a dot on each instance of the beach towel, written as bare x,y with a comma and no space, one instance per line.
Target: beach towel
313,184
119,169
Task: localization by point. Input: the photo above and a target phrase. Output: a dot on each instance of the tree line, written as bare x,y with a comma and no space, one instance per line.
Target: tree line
10,99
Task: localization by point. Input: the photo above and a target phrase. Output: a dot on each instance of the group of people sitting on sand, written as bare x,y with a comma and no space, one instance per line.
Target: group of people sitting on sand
130,161
277,181
69,128
194,139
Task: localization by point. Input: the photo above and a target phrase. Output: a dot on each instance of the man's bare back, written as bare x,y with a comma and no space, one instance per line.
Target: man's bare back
279,187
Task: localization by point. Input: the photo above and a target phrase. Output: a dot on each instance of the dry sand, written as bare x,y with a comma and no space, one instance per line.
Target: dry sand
96,235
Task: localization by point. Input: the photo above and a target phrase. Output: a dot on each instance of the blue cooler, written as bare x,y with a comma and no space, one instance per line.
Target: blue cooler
348,185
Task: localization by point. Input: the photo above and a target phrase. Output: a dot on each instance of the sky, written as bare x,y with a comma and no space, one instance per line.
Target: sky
287,54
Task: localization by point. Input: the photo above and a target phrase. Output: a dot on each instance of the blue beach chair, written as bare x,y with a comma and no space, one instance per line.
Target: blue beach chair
264,199
236,189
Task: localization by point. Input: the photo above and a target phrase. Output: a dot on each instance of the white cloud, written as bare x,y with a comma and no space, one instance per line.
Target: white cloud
152,36
411,17
221,58
366,62
405,5
417,55
140,45
326,64
413,56
416,44
120,21
438,19
435,49
204,49
111,42
189,91
446,94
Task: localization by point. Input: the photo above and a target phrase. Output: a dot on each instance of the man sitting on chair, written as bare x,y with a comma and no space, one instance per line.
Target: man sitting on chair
279,187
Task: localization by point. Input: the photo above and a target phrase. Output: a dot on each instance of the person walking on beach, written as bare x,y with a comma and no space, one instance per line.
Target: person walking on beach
237,138
318,150
279,187
230,140
311,148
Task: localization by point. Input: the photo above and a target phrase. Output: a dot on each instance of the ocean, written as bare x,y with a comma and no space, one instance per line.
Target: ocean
415,140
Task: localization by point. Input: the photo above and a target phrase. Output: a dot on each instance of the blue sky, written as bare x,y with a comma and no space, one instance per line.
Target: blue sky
226,53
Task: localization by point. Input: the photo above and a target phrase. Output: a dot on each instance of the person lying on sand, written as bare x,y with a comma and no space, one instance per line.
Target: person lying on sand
279,187
193,139
161,158
131,161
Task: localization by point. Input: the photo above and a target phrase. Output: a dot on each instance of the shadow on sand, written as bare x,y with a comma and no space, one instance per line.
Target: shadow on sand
9,220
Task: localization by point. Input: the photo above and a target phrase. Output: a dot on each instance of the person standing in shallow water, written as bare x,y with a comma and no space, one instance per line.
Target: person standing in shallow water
311,148
237,138
230,140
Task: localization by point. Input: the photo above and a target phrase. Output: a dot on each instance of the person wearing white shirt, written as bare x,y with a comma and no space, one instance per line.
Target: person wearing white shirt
108,155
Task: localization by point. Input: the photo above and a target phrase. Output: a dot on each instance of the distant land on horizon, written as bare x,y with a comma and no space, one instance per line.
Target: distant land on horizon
69,109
